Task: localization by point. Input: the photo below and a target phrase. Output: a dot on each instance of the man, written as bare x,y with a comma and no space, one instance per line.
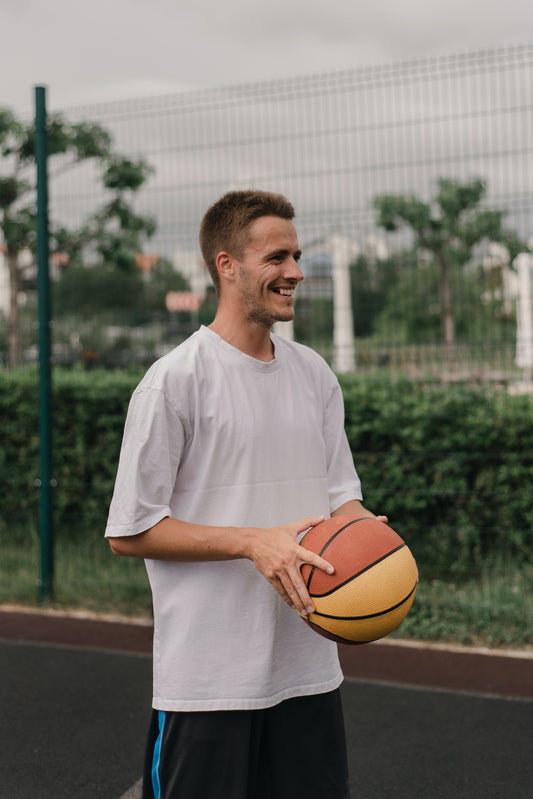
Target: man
234,445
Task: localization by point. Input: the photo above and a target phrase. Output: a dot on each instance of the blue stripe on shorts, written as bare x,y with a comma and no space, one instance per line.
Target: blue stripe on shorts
157,756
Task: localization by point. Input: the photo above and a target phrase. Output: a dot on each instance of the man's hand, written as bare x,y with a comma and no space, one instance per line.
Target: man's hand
279,557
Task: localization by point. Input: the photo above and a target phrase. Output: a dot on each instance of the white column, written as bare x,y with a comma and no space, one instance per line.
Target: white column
284,329
4,284
343,340
524,314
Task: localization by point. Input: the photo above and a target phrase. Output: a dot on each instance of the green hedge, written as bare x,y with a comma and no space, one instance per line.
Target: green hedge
452,467
88,411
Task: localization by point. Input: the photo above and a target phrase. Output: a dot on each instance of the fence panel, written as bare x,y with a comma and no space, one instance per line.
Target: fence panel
331,143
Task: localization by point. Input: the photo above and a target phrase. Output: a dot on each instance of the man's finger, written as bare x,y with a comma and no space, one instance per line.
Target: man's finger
315,560
292,588
304,603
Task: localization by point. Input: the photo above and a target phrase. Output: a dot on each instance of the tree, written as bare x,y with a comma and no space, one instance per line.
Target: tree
371,282
114,230
84,293
163,278
410,312
448,228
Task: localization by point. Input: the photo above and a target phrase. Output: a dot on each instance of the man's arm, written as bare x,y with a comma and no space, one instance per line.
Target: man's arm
355,508
274,551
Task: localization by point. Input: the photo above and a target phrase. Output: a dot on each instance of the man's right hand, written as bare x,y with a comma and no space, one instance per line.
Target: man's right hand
278,556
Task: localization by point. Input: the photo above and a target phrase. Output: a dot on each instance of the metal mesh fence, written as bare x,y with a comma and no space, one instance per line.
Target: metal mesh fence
332,143
329,142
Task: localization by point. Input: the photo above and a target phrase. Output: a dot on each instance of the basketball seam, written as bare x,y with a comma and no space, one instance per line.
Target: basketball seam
328,542
331,636
354,576
369,615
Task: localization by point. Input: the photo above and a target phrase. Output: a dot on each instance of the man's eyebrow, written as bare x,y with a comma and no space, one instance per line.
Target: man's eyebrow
283,253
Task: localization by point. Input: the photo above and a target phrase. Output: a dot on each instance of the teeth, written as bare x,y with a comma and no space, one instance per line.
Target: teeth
286,292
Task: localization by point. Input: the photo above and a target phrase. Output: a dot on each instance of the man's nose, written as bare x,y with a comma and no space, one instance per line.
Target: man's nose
293,270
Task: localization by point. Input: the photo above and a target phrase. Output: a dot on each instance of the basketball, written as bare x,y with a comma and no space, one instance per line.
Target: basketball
374,583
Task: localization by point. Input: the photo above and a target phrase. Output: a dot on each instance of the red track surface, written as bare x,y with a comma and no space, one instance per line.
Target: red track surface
452,668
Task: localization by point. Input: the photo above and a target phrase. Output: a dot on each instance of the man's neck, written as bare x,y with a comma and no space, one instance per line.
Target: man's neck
254,340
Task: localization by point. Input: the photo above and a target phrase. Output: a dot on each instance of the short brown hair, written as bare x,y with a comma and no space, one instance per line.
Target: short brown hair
225,223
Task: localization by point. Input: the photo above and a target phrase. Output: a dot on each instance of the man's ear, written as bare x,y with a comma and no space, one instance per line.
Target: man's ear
225,266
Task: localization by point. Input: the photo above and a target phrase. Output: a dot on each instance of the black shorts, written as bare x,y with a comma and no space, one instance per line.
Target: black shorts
294,750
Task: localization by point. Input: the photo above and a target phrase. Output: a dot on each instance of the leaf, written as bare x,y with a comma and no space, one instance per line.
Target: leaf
9,191
90,140
123,173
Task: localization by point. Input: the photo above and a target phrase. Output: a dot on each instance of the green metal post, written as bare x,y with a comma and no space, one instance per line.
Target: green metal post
45,424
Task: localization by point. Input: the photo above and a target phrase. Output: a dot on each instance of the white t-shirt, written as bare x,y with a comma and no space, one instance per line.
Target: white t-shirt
216,437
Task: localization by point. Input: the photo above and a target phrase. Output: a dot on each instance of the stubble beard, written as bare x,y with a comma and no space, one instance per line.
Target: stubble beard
257,314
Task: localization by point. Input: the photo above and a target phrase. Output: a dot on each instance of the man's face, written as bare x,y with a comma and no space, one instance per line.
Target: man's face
268,272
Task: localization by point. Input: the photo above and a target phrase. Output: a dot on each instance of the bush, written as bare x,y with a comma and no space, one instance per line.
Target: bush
88,416
451,467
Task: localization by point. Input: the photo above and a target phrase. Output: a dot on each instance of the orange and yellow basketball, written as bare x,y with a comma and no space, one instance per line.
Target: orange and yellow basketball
374,583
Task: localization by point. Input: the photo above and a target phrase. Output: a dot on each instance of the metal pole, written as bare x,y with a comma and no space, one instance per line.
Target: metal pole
45,417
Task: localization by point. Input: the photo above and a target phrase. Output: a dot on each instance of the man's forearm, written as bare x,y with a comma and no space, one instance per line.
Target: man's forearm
175,540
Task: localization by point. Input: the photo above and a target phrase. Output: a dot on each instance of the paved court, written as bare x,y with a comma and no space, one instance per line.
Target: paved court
74,721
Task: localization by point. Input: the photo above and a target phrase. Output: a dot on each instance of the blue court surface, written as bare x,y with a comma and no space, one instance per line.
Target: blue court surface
75,714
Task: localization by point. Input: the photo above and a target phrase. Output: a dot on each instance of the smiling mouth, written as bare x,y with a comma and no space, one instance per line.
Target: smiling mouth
284,292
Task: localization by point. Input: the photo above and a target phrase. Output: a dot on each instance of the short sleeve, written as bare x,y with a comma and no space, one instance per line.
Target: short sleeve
152,447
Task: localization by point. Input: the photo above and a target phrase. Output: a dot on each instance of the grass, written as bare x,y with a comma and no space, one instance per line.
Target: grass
493,608
86,577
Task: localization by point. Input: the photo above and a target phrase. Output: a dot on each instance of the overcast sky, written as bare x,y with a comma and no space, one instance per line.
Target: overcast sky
106,50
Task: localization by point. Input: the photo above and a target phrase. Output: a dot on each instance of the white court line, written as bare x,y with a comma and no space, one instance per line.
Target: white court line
134,792
411,643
